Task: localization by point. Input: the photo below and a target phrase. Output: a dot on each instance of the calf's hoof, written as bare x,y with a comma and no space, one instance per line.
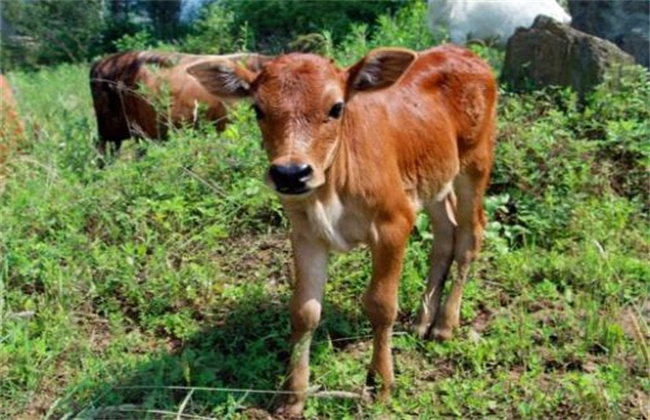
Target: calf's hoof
373,392
423,322
442,334
290,410
421,330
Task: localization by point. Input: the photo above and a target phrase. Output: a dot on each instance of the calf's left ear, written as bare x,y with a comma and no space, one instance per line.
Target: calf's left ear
223,78
379,69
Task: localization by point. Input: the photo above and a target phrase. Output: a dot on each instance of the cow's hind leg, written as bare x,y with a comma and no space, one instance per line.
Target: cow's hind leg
441,214
117,146
470,188
101,153
107,151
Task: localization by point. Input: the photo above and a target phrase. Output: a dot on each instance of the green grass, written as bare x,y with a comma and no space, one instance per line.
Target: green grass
159,286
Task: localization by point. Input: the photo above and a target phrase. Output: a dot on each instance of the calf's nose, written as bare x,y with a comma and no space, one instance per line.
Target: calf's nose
292,178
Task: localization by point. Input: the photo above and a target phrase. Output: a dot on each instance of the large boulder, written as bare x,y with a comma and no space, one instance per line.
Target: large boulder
552,54
624,22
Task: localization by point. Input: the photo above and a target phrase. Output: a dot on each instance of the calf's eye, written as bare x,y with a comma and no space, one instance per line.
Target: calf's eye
336,110
258,112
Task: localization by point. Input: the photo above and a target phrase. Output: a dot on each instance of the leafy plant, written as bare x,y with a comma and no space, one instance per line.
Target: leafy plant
215,32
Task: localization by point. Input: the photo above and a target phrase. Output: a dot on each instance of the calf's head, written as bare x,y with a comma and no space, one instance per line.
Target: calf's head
300,101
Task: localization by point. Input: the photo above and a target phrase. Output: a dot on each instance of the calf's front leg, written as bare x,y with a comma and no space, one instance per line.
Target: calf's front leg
310,261
380,300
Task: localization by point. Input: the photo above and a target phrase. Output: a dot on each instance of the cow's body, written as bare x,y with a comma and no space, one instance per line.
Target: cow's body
140,94
415,131
12,129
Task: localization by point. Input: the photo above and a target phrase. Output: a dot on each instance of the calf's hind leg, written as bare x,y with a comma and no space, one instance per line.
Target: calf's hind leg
440,259
470,188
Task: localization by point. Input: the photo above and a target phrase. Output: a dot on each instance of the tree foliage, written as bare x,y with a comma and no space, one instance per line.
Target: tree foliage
46,32
49,31
274,23
213,32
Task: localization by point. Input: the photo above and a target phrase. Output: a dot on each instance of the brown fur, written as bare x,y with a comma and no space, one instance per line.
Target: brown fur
12,129
140,94
413,125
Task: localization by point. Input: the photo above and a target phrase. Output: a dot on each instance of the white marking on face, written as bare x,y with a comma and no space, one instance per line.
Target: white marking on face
333,90
297,137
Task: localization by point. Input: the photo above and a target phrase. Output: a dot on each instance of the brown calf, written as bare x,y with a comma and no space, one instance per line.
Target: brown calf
354,154
140,94
12,129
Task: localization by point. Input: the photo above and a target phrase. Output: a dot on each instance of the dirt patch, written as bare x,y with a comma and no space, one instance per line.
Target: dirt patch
37,408
635,321
544,306
641,401
254,256
352,345
47,393
444,368
88,324
257,414
97,329
504,299
516,372
552,363
481,321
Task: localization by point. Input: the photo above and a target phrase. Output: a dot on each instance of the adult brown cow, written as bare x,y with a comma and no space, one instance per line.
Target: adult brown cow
354,153
12,129
140,94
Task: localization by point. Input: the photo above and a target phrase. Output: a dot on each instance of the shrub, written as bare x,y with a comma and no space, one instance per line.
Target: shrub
406,28
216,32
274,23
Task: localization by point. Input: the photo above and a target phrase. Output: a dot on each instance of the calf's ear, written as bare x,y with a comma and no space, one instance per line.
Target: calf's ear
379,69
223,78
256,62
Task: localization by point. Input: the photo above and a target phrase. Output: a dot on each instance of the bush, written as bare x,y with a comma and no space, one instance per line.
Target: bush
406,28
274,23
553,153
49,32
141,40
215,32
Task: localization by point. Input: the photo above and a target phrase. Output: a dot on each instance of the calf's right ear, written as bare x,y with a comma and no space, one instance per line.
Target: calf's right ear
223,78
379,69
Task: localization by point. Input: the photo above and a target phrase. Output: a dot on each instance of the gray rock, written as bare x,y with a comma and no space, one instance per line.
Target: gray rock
553,54
624,22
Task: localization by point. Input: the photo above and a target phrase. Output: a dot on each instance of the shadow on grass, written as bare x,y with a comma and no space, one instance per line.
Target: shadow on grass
239,364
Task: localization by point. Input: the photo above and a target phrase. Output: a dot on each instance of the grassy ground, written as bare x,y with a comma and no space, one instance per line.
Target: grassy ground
158,287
